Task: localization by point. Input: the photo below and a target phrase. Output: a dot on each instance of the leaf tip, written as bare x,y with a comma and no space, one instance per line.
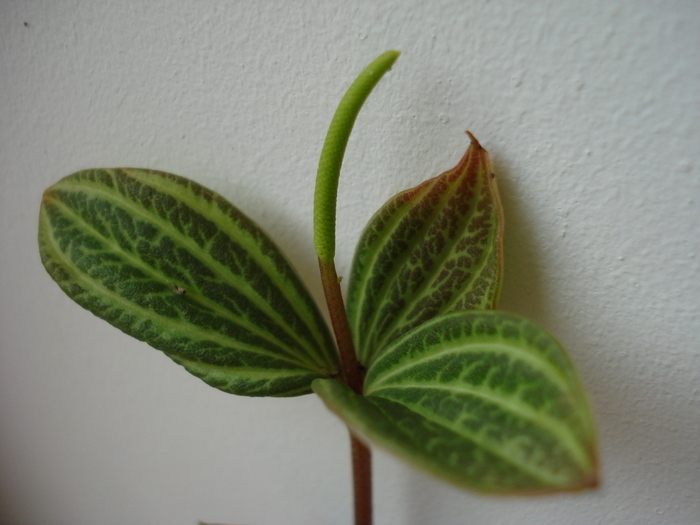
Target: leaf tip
593,482
590,481
472,138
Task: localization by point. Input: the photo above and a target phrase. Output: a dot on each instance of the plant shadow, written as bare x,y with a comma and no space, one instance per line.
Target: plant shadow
522,277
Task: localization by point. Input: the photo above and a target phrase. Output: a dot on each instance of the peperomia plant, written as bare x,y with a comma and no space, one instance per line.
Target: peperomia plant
420,364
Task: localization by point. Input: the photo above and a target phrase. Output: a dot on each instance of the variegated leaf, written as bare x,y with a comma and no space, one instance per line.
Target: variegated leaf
176,265
433,249
485,400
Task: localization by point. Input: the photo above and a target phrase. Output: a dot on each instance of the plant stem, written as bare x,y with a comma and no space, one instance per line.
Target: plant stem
350,375
325,205
362,481
349,366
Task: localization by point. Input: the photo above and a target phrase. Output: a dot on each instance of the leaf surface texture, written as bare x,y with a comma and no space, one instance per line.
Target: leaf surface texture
429,250
177,266
485,400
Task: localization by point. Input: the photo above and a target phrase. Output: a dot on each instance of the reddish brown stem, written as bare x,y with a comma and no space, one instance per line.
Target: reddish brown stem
362,481
351,376
349,366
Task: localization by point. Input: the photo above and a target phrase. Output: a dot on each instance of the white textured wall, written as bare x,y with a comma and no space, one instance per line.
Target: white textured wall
591,111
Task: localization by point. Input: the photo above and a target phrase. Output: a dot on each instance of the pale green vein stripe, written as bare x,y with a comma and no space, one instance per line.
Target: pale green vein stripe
203,300
426,286
181,326
417,239
362,334
253,249
478,271
117,301
391,225
483,346
399,263
193,248
511,405
485,444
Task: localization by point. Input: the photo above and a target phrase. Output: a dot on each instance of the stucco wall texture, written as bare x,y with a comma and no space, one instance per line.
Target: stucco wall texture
591,112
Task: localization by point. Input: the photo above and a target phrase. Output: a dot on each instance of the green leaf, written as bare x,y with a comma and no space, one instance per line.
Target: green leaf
485,400
430,250
177,266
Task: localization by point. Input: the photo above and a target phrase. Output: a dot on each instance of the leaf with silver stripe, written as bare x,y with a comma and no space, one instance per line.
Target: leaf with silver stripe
430,250
485,400
176,265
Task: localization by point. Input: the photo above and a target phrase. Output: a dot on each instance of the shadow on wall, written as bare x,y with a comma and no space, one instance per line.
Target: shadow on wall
522,281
